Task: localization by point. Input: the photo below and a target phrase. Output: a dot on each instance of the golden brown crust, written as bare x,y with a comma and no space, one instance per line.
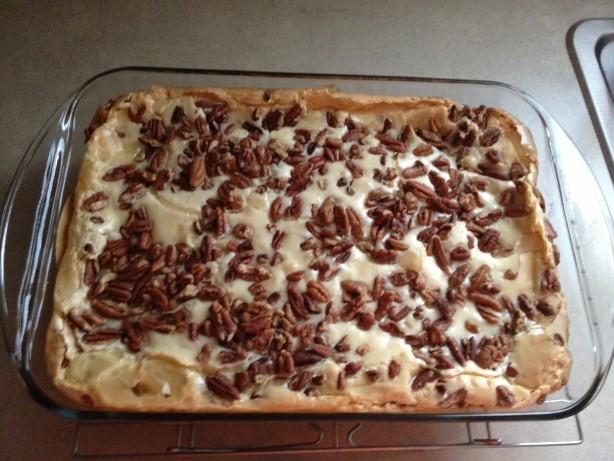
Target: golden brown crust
109,376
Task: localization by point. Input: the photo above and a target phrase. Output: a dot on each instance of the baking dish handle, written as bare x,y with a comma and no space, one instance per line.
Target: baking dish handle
27,223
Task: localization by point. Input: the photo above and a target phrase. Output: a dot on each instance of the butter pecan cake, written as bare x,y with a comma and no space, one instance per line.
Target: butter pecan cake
306,250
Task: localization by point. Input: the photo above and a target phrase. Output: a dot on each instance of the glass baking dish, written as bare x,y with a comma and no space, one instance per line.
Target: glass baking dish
48,171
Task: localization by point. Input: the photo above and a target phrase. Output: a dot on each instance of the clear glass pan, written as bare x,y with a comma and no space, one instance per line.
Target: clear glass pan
48,171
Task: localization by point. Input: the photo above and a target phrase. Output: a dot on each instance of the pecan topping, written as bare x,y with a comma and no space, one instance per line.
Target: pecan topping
517,171
278,239
488,218
102,335
295,208
96,202
275,212
355,223
92,268
512,370
356,171
365,320
505,397
318,291
328,271
378,286
392,144
257,324
440,254
341,220
78,321
298,185
516,210
445,307
222,387
352,368
243,231
550,232
443,204
198,172
546,308
419,189
485,300
455,399
108,310
456,351
394,369
384,303
493,156
424,377
423,150
460,253
396,244
550,281
458,276
414,171
252,273
384,256
489,240
306,357
490,136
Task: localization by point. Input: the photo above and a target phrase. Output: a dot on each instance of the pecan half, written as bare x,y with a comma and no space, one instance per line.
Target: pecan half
425,376
356,171
505,397
415,171
341,219
328,271
96,202
460,253
252,273
119,173
445,307
455,399
326,211
110,311
490,136
352,368
102,335
305,357
198,172
394,369
222,387
458,276
423,150
318,291
384,256
278,239
355,223
298,185
486,300
384,303
550,281
275,211
489,240
295,208
517,210
440,254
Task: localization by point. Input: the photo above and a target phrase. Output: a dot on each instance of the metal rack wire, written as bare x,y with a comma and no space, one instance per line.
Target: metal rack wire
113,440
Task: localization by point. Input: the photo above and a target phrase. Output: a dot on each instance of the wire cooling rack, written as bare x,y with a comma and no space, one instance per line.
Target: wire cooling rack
111,439
116,440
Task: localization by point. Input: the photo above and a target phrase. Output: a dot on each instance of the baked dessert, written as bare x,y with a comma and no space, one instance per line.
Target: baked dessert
306,250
